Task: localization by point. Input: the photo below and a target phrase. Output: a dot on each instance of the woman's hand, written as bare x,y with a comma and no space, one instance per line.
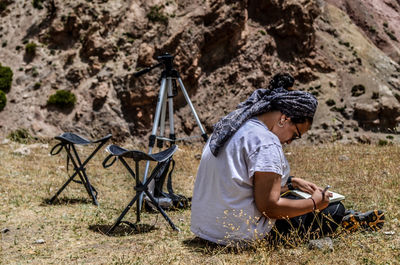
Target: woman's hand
304,185
268,200
321,199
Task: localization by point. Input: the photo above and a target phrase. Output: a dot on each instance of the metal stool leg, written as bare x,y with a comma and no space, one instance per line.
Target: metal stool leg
82,173
62,188
161,211
124,213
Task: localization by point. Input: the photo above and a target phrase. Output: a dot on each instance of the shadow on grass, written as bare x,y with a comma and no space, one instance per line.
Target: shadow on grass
123,229
64,201
203,246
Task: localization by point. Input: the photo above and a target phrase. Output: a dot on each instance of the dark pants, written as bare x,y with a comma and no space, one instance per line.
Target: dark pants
309,226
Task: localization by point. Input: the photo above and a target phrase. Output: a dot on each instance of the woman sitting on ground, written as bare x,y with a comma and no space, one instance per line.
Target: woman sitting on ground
243,172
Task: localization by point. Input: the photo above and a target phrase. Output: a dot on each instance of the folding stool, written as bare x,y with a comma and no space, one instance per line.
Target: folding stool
162,158
68,141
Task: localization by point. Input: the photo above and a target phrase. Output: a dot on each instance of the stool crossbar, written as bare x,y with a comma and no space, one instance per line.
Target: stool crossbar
162,158
68,141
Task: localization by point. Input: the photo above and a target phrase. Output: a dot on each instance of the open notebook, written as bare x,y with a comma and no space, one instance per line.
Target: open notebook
335,198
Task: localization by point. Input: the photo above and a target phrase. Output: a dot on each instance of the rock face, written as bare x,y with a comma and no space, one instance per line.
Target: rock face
344,52
378,20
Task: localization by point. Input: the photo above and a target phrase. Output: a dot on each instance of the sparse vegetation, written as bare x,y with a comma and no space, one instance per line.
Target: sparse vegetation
3,100
35,72
72,228
62,98
339,109
156,14
262,32
315,93
3,5
375,95
391,35
330,102
382,142
372,29
357,90
129,37
344,43
37,85
38,4
390,137
397,96
30,48
20,136
6,76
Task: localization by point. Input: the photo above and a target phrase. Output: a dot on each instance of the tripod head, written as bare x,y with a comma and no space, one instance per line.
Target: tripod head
166,60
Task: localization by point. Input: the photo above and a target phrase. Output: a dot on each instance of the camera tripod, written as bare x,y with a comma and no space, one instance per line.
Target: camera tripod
168,90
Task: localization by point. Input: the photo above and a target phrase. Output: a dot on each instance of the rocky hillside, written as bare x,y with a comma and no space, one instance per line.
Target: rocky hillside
345,52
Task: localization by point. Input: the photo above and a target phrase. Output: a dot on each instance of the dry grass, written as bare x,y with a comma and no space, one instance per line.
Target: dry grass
367,174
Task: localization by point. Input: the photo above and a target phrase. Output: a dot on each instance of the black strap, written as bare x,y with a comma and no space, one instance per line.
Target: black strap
60,146
169,180
105,164
54,151
178,200
131,225
160,176
68,147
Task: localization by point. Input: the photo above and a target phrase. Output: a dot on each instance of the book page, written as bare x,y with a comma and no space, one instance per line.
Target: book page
336,196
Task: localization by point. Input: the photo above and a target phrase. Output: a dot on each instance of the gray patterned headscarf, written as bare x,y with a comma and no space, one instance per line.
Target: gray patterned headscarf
294,104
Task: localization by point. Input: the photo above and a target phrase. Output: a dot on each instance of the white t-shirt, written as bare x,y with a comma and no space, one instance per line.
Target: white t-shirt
223,205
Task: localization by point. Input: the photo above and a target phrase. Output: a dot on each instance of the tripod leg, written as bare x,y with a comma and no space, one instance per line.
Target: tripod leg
160,142
204,135
152,138
171,112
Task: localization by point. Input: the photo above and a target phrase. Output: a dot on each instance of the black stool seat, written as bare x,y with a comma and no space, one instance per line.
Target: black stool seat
139,155
67,142
72,138
141,187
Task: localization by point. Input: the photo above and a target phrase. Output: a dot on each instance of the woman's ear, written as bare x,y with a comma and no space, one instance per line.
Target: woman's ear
284,118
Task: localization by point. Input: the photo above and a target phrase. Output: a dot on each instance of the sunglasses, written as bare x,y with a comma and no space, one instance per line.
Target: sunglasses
298,135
